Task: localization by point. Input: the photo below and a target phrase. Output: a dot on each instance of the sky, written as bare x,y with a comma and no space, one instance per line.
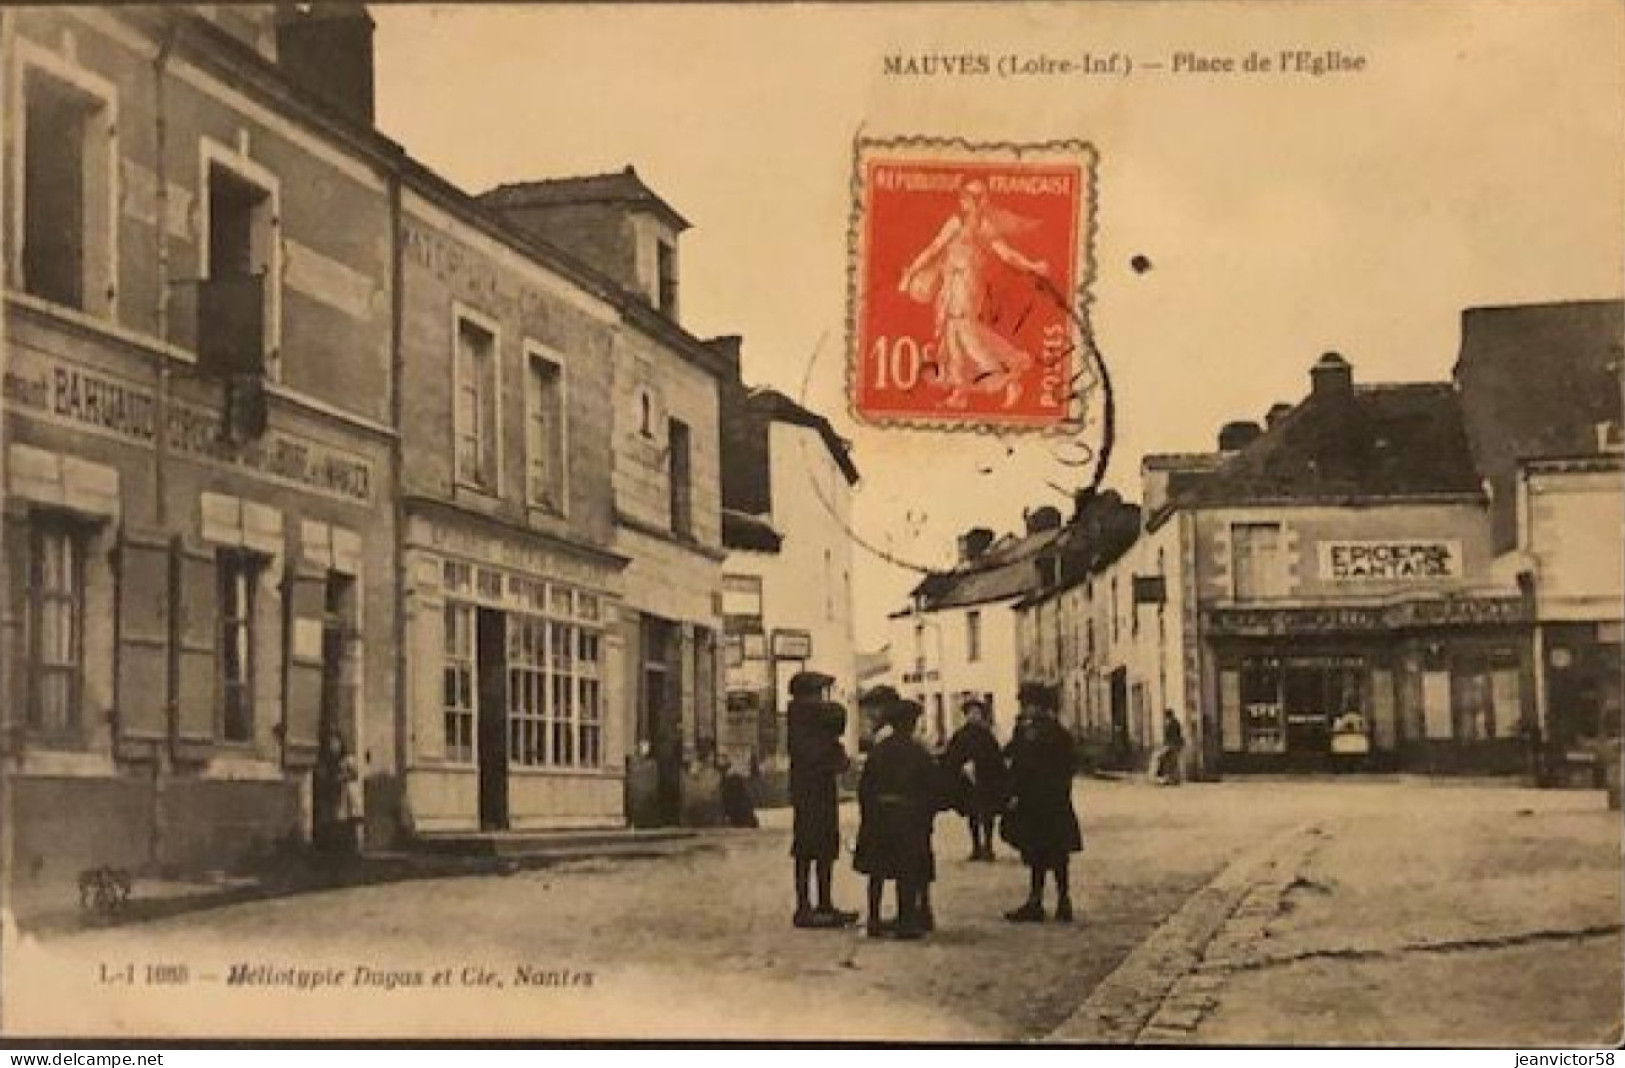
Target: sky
1476,159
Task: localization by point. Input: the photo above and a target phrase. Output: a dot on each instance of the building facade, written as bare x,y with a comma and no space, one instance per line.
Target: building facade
1540,389
199,458
512,587
664,421
787,593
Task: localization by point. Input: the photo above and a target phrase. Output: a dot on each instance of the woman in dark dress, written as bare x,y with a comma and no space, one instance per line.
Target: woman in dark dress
983,797
897,796
1041,822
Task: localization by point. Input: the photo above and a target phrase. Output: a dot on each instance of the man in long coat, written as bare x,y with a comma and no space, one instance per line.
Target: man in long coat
815,726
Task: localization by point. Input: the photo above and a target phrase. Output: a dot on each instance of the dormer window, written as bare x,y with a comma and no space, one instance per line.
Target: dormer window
666,279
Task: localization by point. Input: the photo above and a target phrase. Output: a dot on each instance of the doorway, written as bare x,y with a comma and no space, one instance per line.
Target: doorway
1119,702
491,649
661,682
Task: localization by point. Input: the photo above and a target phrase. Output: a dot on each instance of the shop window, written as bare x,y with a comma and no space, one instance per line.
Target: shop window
555,694
973,636
56,625
544,434
67,176
1257,560
458,700
590,727
1262,712
527,691
680,478
236,296
476,408
238,575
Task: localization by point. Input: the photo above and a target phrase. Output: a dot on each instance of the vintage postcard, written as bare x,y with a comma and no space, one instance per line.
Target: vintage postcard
1081,523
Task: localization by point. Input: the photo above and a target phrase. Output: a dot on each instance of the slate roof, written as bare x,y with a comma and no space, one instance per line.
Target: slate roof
747,419
1389,441
617,187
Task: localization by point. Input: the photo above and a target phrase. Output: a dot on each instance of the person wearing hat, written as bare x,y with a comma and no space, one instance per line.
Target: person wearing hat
1041,822
982,797
814,729
897,797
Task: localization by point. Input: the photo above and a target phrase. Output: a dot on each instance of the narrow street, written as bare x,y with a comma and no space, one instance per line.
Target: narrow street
1243,912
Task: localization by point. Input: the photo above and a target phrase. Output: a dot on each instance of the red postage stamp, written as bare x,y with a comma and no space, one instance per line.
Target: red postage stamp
970,275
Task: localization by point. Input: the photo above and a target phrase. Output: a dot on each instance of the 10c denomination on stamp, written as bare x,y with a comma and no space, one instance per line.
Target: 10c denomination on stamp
970,275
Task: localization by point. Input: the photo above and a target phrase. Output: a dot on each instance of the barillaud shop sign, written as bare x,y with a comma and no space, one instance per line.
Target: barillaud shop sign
1390,561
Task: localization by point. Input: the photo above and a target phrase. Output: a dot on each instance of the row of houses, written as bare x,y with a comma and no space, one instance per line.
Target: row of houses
301,438
1418,576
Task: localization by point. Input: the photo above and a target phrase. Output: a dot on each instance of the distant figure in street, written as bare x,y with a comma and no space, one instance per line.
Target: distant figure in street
1040,821
738,807
816,761
897,799
982,798
1168,767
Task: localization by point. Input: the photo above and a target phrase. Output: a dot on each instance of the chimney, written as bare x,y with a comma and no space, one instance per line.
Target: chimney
1276,413
1041,519
326,49
728,346
1331,376
1233,437
973,543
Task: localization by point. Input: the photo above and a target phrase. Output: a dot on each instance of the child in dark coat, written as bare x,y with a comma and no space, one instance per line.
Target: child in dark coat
1041,822
897,798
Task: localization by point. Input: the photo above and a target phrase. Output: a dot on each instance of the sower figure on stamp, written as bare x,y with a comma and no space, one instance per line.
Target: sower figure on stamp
816,761
952,270
1041,822
897,799
974,746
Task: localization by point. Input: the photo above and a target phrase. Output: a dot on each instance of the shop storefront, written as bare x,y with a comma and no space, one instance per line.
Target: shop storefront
1435,685
512,648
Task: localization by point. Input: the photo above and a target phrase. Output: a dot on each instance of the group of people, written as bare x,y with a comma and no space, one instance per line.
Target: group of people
1022,790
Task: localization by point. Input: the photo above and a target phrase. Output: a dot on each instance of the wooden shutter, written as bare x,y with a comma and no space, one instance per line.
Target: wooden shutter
1384,726
302,710
14,664
198,632
145,592
1230,733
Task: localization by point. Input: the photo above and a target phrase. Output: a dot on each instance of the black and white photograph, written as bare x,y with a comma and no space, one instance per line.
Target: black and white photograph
878,522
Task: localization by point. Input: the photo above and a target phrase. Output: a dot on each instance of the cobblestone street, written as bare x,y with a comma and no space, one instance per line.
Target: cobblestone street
1232,913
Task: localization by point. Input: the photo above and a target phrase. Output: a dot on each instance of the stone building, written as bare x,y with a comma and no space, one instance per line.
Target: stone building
1338,599
198,458
1540,392
512,586
787,594
958,638
1077,632
664,417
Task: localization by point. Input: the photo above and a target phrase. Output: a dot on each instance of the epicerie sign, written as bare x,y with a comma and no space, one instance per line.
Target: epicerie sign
1389,561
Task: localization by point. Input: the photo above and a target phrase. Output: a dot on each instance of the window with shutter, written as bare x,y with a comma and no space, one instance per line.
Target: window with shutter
145,594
